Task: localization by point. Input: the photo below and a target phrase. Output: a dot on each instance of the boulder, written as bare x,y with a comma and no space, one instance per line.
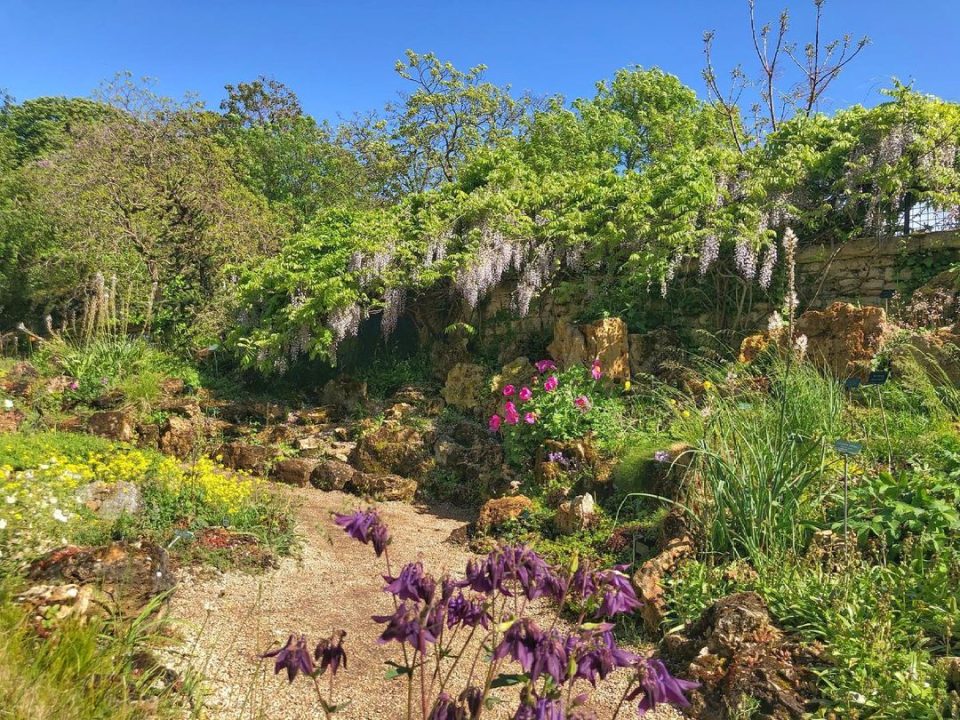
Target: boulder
577,514
130,574
469,453
392,449
466,387
295,471
112,424
148,435
676,545
496,511
842,338
605,340
658,353
344,395
111,500
18,379
383,486
738,654
178,437
332,475
11,420
518,373
255,459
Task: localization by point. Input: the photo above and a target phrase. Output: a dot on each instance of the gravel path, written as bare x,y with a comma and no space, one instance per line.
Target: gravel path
227,619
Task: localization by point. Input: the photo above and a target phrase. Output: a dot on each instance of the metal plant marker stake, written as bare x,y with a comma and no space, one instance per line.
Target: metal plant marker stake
846,448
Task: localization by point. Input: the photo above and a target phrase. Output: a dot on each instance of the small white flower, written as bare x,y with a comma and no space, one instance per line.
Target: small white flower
8,404
43,467
72,592
11,499
60,516
52,500
3,524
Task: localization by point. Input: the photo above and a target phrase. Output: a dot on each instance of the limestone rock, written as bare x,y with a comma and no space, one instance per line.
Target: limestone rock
466,388
383,486
344,395
658,353
517,372
496,511
676,546
148,436
131,574
112,424
295,471
255,459
111,500
11,420
392,449
332,475
737,653
576,515
178,436
605,340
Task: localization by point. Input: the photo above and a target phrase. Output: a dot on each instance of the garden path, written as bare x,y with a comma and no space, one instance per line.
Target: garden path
227,619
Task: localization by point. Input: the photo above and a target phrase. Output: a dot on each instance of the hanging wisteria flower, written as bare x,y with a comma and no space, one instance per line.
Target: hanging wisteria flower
551,383
544,365
595,372
709,252
367,527
745,257
526,394
766,267
508,390
530,418
494,423
294,657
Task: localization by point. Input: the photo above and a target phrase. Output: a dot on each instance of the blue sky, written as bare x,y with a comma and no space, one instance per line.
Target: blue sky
339,56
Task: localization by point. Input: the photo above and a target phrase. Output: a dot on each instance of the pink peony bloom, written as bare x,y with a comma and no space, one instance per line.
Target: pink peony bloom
530,418
511,414
74,385
595,370
582,402
551,384
508,390
494,423
544,365
526,394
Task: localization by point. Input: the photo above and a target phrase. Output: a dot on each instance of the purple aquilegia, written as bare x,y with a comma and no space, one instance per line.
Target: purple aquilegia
367,527
406,626
659,686
294,657
599,656
330,653
618,593
551,383
411,584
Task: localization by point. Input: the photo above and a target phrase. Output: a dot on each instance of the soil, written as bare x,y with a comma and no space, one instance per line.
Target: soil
227,619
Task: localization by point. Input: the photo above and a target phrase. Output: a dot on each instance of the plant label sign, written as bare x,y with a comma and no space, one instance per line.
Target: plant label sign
847,447
887,294
878,377
852,383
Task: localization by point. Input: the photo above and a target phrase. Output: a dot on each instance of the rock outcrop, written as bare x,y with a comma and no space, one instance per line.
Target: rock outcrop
605,340
466,387
112,424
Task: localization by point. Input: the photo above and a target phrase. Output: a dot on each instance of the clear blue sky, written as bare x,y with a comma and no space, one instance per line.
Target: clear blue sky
339,56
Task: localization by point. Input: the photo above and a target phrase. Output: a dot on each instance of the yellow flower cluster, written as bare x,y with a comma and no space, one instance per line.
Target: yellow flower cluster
230,492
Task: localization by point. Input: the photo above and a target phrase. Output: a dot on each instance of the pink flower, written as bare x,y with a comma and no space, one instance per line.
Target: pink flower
74,385
510,411
530,418
544,365
595,369
551,384
526,394
508,390
582,402
494,423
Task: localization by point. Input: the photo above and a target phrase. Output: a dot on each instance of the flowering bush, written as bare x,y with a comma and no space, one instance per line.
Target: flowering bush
483,619
42,506
555,405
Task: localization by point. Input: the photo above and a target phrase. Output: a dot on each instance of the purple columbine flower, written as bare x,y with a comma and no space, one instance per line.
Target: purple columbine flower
443,709
619,595
600,656
405,626
520,642
659,686
367,527
550,658
583,584
294,657
469,613
330,653
411,584
539,708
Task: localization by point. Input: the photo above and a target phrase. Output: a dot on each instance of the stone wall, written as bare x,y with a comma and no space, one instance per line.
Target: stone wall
860,270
